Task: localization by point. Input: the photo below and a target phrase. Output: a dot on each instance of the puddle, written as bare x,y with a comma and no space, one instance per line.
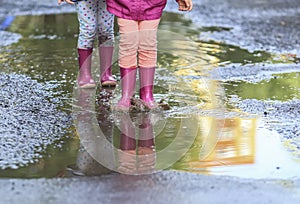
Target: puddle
282,87
219,141
240,149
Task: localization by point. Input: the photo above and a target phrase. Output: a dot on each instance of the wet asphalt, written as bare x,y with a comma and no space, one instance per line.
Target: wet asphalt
269,25
166,187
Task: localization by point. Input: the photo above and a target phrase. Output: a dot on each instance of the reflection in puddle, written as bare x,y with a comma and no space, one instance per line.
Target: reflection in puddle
126,142
238,148
228,141
138,143
271,160
198,134
109,141
136,150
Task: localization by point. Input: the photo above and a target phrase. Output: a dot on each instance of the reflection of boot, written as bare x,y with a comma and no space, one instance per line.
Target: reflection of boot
128,141
127,150
136,156
146,86
128,80
106,54
146,146
85,79
104,98
104,115
85,100
146,138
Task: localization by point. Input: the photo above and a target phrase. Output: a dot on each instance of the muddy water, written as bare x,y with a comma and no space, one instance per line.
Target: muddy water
199,131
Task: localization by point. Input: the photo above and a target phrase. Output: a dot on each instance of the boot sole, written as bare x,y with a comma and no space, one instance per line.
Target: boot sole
109,83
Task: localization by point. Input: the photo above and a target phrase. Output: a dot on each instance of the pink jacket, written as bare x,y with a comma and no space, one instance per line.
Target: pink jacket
136,9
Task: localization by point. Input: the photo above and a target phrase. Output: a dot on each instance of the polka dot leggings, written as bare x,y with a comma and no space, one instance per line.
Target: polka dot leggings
94,21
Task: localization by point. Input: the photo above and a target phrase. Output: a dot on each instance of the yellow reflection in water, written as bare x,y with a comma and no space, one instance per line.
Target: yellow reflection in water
229,141
220,140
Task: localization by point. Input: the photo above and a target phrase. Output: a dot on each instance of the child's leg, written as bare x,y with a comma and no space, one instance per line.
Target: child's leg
106,42
148,43
129,41
87,33
87,17
147,60
128,46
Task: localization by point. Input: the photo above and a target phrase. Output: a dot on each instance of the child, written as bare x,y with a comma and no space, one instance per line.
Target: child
138,22
94,21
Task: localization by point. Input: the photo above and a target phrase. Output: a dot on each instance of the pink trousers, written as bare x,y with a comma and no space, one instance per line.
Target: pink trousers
138,43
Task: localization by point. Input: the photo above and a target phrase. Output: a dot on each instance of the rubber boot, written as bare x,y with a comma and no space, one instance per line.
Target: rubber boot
146,87
106,54
128,81
85,79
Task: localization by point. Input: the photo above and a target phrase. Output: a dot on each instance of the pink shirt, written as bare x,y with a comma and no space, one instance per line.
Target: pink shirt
136,9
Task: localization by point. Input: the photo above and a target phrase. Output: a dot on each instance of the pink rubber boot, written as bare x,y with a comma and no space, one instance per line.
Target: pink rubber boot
85,79
106,54
146,86
128,80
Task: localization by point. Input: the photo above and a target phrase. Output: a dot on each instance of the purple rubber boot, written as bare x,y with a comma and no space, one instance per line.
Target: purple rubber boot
146,86
85,79
128,80
106,54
